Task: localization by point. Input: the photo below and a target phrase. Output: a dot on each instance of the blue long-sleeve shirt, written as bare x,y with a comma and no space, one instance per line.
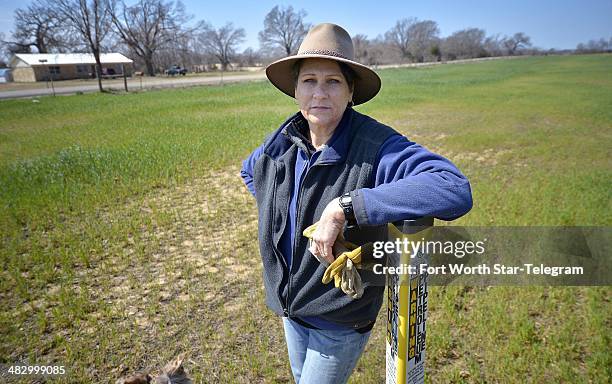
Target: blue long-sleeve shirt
409,182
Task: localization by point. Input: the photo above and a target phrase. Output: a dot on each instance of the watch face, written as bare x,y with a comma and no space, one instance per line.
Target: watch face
345,200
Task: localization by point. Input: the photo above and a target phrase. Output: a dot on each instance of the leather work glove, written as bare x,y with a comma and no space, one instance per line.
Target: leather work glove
344,268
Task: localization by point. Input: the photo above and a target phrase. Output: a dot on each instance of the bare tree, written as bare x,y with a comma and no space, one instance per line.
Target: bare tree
494,45
382,52
222,42
595,46
370,52
92,20
270,54
38,26
361,46
284,28
4,53
423,36
149,25
11,47
250,57
464,44
399,36
414,39
519,40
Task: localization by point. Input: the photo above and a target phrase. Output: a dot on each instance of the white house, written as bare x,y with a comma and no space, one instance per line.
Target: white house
30,67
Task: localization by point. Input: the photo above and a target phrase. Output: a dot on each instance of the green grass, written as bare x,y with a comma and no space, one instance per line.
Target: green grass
128,238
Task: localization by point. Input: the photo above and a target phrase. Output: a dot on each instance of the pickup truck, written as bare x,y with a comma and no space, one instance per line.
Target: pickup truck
175,70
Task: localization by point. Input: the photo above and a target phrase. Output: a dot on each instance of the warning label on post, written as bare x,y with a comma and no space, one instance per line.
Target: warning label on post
417,315
406,317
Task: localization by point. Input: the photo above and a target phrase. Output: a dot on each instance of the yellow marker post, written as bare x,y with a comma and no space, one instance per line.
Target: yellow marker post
407,305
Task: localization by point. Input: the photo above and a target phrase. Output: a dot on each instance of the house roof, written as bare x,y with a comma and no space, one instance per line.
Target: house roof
69,58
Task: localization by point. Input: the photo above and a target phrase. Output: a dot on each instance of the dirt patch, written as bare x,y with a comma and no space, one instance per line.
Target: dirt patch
196,255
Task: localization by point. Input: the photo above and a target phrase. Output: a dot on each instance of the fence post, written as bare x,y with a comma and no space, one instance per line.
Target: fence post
407,306
124,77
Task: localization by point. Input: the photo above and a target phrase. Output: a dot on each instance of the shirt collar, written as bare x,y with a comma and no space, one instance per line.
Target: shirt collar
336,148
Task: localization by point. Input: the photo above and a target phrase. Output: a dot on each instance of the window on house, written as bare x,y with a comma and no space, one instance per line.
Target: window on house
82,69
54,70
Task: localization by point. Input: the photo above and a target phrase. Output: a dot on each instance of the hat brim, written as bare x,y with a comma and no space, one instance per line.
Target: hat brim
366,84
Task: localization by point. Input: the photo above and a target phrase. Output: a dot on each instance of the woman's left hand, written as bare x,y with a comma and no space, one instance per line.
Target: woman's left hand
328,228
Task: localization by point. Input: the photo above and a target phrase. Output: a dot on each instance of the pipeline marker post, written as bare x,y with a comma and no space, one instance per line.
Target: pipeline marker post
407,307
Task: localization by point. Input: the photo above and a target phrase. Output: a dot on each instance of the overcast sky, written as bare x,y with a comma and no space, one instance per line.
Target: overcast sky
550,24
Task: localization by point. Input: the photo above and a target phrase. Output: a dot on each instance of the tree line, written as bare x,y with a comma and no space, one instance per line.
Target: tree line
158,33
595,46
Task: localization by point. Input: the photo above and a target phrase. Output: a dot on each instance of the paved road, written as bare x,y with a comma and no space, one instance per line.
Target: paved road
134,84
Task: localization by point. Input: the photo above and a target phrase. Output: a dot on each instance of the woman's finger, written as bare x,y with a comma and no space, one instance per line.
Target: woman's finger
312,247
328,252
315,249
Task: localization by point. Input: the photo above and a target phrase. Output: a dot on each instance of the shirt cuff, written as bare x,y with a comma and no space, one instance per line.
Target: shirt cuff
359,208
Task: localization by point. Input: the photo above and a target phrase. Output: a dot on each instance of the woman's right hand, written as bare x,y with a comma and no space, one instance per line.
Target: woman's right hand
328,229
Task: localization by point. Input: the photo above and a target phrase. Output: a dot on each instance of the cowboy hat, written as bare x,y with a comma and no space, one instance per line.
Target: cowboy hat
326,41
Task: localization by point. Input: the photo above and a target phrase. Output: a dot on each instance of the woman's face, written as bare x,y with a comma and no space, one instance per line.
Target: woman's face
322,92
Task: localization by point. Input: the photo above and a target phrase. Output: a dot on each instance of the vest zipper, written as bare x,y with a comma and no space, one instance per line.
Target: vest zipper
274,248
293,246
296,238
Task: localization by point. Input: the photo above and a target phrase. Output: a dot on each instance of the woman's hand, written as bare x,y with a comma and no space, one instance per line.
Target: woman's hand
328,228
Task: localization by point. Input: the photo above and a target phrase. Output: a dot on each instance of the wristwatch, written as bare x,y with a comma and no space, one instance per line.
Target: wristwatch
346,203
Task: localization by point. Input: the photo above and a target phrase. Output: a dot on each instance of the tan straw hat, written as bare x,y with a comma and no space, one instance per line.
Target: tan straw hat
326,41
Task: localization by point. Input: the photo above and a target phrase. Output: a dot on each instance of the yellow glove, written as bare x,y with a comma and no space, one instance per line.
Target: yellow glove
343,270
335,269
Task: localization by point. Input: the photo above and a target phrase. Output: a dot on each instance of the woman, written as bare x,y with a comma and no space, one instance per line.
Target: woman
332,165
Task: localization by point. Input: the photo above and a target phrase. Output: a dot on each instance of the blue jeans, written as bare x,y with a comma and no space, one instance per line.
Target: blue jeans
319,356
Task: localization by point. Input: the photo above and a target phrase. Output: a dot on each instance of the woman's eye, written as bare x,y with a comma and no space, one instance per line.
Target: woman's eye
334,81
308,80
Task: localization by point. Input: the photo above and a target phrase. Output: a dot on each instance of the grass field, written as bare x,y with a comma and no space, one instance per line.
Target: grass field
127,236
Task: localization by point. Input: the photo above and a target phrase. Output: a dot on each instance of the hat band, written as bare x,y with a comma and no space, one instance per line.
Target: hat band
323,52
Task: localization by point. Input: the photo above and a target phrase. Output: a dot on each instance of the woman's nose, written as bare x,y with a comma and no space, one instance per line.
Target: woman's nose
319,92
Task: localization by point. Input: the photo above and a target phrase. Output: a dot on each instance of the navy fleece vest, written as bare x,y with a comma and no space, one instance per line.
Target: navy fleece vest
344,168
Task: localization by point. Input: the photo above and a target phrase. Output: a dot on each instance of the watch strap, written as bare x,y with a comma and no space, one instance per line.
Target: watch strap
346,204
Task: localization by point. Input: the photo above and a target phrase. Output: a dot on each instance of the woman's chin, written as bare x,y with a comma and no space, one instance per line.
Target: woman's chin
319,118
